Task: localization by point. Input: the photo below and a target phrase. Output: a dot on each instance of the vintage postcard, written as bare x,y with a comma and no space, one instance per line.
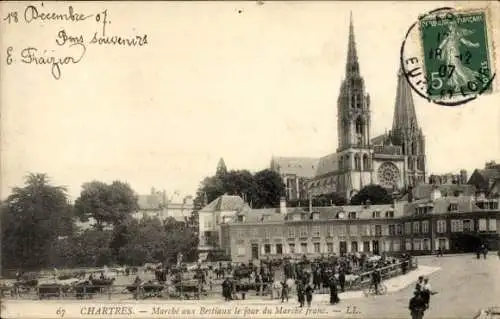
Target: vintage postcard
250,159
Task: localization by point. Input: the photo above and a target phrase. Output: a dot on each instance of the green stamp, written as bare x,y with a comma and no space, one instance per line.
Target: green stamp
457,56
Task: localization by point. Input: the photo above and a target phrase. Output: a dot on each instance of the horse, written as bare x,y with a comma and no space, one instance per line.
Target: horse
85,290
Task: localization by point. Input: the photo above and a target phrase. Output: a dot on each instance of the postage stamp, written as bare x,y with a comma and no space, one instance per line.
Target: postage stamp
448,55
457,55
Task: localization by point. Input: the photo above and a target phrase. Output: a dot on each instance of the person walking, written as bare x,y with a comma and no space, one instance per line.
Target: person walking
417,305
334,297
342,279
284,291
485,251
427,292
227,289
300,293
309,294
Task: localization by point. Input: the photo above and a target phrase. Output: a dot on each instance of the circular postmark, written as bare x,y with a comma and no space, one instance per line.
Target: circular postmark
446,56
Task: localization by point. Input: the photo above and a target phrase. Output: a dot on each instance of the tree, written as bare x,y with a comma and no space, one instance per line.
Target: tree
374,194
33,217
329,199
107,204
260,190
240,182
269,187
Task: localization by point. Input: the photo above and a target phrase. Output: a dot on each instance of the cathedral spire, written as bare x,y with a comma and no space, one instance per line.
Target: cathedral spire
221,168
405,117
352,65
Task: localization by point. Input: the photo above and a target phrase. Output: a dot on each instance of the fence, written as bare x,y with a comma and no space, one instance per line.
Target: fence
114,292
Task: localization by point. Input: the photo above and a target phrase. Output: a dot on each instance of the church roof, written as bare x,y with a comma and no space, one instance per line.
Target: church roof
380,139
404,109
299,166
327,164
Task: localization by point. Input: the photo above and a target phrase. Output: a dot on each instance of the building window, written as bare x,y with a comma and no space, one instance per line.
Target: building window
329,247
279,249
357,162
425,226
316,248
315,216
352,215
416,227
417,244
389,214
408,228
376,214
303,232
427,244
483,225
493,225
399,229
330,231
443,243
408,244
267,249
441,226
342,230
303,248
354,246
267,233
353,230
392,230
468,225
291,232
366,230
396,245
315,231
378,230
241,233
291,248
457,226
453,208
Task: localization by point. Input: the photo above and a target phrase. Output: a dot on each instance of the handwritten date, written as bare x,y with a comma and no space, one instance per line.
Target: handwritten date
35,14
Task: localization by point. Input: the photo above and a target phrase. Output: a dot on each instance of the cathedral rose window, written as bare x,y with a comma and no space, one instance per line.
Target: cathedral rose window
388,175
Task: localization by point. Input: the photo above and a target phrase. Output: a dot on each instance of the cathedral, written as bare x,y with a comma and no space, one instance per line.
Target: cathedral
394,160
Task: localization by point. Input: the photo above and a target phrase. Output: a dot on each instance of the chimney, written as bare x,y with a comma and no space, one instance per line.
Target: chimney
463,176
282,205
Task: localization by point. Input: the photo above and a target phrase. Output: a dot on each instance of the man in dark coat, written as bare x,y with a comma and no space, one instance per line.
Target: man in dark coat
227,289
300,293
417,306
334,297
342,279
309,294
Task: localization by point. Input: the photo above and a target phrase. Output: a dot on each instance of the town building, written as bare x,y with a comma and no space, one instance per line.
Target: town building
395,160
219,211
452,223
487,180
158,205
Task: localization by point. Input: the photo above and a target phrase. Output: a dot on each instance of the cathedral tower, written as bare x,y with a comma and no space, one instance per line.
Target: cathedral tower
406,133
353,106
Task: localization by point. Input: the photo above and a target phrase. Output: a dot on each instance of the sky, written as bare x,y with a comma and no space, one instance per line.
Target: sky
238,80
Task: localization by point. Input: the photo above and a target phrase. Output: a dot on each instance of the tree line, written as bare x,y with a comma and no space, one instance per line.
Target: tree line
39,228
